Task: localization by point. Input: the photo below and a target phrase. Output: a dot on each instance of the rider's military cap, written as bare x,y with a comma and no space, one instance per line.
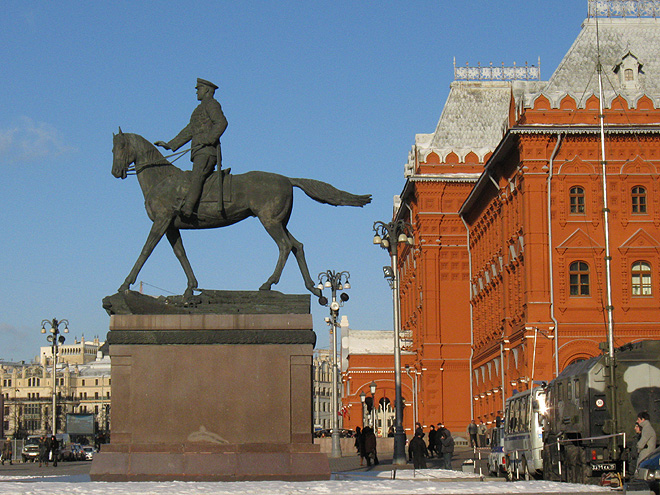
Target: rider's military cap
204,82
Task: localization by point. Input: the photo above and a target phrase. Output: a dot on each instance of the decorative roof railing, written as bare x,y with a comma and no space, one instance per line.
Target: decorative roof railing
495,73
624,8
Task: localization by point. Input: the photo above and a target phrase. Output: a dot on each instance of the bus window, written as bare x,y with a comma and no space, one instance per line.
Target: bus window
560,391
576,390
569,390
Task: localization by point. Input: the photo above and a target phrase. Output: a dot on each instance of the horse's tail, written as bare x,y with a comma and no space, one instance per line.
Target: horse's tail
325,193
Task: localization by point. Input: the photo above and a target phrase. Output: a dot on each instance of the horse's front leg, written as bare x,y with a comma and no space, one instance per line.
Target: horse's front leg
155,234
174,236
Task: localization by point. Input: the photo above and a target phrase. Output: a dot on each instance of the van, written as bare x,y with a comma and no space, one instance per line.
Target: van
64,452
30,451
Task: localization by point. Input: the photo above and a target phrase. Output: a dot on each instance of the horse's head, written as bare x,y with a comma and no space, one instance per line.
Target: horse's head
122,154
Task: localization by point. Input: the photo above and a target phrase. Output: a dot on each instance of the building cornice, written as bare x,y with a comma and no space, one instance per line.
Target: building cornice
486,179
582,129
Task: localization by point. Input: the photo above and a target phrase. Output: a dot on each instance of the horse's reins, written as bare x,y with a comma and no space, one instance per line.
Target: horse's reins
132,170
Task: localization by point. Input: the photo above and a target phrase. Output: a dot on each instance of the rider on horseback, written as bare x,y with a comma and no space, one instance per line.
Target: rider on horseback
207,124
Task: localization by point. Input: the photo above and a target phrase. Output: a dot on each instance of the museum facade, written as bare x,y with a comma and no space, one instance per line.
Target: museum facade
506,284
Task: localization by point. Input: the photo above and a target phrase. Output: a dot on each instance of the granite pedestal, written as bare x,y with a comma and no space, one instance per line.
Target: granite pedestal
209,397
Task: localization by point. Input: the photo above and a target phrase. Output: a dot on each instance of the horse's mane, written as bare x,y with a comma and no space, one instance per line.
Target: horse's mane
146,150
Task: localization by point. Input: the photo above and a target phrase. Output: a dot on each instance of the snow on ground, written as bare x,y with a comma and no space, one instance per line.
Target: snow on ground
422,484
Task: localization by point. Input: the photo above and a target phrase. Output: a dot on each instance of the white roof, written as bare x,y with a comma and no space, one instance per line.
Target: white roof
576,74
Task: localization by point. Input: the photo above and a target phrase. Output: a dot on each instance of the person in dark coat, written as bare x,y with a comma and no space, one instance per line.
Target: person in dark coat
438,443
447,448
432,435
54,449
7,452
44,448
417,451
370,445
472,431
359,443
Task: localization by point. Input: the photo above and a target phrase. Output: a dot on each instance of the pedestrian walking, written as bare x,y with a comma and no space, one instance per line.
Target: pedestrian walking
432,441
359,443
7,451
370,451
481,434
44,449
54,449
417,451
472,431
447,448
438,443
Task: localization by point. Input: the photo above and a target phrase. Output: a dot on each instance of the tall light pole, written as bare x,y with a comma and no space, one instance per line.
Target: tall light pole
335,281
372,388
389,236
55,340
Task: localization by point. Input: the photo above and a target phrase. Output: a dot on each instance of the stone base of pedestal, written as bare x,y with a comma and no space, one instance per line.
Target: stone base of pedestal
257,462
211,397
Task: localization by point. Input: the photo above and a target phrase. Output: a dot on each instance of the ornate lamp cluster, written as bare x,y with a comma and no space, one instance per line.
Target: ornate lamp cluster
55,340
335,281
389,236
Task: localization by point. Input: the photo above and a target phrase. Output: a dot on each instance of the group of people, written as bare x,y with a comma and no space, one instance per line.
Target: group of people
48,449
478,434
440,444
365,444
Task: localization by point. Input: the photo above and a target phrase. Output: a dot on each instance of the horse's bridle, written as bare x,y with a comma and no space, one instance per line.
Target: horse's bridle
131,169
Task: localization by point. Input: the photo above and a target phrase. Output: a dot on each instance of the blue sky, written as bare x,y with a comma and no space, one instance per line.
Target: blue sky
330,90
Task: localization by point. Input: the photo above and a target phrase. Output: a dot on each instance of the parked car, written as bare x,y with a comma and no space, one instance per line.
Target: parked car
89,452
496,456
647,475
30,450
77,450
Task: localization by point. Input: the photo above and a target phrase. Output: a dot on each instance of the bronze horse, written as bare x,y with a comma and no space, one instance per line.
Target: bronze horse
265,195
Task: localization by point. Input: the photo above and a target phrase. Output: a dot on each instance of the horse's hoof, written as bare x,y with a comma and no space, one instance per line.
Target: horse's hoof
265,286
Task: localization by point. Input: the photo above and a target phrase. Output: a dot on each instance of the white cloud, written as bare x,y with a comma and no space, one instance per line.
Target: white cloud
28,141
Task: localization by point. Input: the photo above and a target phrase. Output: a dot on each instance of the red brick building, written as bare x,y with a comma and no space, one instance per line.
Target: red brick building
506,281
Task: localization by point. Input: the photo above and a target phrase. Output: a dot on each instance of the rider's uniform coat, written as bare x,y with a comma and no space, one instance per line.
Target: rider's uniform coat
207,123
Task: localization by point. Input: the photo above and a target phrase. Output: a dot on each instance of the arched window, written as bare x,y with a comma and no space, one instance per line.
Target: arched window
638,199
579,278
641,279
577,199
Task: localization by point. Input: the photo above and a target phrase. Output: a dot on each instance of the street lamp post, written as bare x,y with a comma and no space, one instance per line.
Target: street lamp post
389,236
372,387
56,340
335,281
363,398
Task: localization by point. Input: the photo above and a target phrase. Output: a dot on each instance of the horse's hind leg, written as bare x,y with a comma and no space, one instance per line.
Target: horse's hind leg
279,235
174,236
297,249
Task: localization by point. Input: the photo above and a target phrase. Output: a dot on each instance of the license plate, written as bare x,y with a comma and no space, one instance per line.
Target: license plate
603,467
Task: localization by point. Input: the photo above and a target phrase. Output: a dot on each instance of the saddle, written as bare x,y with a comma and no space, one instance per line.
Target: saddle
211,189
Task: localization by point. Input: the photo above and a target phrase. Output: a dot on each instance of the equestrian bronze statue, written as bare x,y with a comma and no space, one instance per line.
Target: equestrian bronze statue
264,195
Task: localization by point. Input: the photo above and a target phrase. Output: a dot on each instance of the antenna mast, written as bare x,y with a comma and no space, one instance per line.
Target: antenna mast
608,256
